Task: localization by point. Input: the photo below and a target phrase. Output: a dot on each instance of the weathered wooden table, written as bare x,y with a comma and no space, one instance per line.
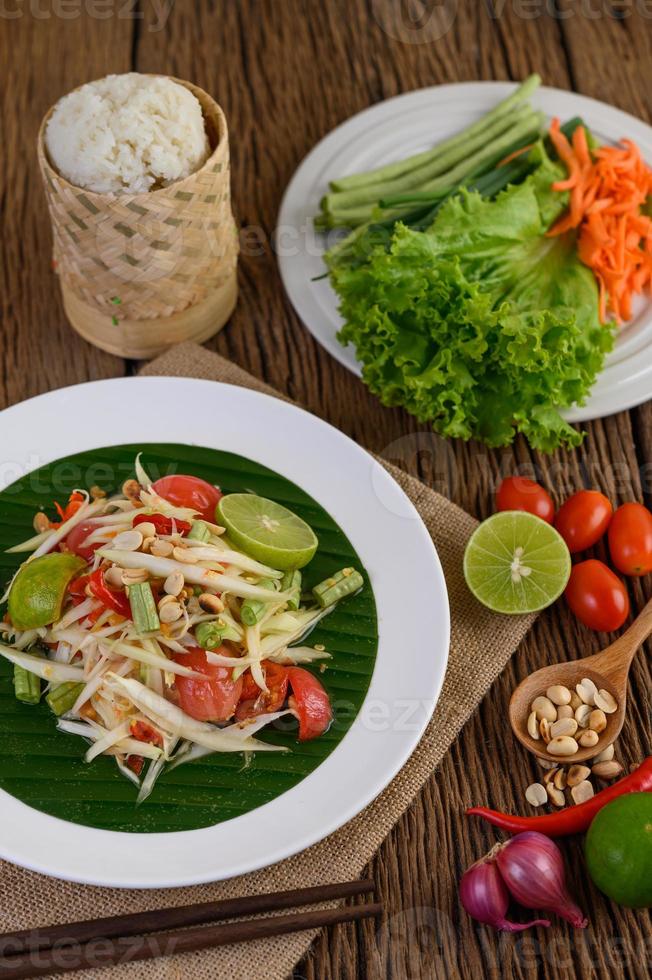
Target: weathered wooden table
286,72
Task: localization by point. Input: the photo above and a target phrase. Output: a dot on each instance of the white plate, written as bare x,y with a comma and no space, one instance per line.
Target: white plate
413,622
409,124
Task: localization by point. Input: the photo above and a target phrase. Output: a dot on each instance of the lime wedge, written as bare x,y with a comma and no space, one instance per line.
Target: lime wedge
516,563
38,590
267,531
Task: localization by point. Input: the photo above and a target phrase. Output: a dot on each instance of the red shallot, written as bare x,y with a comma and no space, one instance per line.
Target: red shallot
484,896
532,867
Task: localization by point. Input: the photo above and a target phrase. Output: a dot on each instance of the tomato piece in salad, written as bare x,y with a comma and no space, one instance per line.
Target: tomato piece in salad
142,731
76,541
214,698
254,701
135,763
189,491
310,702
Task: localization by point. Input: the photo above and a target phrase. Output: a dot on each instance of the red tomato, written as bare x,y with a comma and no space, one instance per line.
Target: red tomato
142,731
630,539
190,491
255,702
519,493
311,703
75,541
583,519
597,596
213,699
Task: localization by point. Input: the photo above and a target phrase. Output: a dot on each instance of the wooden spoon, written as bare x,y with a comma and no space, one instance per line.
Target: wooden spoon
608,670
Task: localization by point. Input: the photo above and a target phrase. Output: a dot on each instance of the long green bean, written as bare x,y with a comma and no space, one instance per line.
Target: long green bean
291,582
253,610
338,586
389,171
27,686
524,130
438,165
62,696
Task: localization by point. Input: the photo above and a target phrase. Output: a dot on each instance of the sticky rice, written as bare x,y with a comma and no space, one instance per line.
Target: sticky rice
127,134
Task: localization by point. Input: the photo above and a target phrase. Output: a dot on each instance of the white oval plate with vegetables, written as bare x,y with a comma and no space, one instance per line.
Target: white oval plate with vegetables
412,124
109,641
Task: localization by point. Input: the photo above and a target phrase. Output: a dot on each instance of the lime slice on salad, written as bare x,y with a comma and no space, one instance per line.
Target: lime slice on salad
516,563
38,590
267,531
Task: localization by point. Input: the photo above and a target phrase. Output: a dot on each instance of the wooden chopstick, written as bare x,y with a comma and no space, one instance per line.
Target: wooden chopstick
156,920
64,959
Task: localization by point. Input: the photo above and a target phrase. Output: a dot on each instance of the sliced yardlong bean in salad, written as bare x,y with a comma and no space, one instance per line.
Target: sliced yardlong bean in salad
160,637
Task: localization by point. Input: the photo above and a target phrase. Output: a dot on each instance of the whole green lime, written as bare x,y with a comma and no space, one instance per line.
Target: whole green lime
619,850
38,591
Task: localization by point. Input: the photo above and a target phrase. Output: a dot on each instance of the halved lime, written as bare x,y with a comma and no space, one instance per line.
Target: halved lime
267,531
516,563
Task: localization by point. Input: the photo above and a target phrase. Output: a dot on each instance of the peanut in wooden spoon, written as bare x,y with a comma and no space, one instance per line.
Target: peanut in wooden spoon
607,669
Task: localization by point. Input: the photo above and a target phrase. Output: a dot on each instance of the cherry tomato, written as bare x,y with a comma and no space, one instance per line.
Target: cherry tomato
163,524
519,493
311,703
583,519
256,702
213,699
75,541
597,596
190,491
630,539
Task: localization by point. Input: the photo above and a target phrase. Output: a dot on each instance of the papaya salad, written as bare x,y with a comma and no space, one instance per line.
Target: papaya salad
168,622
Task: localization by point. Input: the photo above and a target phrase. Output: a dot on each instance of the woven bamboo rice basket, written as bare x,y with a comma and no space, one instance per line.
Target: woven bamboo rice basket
141,272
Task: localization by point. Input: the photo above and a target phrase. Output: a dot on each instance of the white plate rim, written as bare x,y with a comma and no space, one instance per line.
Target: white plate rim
128,410
622,385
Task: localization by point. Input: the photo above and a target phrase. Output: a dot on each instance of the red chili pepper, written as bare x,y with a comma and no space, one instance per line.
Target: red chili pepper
144,732
576,819
77,588
163,524
113,600
75,501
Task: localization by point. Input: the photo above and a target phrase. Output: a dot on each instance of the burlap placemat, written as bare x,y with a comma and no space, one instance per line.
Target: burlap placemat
481,645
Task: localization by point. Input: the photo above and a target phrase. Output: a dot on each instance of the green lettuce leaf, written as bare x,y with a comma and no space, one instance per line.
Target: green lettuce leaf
480,325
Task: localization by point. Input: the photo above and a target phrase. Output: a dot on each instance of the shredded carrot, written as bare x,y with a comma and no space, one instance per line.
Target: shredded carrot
516,153
614,239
